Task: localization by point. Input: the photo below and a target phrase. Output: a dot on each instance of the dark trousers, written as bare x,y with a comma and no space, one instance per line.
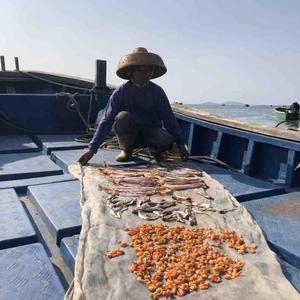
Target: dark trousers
131,136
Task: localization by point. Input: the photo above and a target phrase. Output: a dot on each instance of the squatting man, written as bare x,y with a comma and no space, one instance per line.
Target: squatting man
139,111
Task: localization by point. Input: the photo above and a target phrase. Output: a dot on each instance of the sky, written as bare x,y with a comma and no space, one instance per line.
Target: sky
218,51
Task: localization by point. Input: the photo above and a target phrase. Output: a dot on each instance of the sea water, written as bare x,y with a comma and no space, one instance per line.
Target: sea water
259,114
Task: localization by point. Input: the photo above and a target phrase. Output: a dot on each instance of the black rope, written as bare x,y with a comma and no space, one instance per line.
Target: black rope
57,83
280,123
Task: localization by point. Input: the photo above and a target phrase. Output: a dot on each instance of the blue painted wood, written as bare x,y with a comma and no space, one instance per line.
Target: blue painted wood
69,157
233,150
68,250
291,162
59,207
248,158
26,165
21,185
216,145
291,273
26,273
50,112
296,174
203,141
16,144
278,217
56,142
190,140
15,227
185,129
269,162
241,186
241,133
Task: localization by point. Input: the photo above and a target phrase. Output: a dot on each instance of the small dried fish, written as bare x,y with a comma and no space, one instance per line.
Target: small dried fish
114,213
193,220
180,216
129,202
224,211
167,204
140,202
147,208
180,198
147,216
169,218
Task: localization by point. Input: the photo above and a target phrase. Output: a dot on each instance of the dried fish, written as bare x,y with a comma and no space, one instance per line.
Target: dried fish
167,204
122,208
180,198
147,216
184,186
140,202
169,218
193,220
147,208
180,216
224,211
202,210
114,213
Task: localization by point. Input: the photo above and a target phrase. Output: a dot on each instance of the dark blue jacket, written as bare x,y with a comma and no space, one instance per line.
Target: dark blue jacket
149,106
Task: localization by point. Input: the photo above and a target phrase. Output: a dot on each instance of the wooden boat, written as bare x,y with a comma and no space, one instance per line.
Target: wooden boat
285,114
40,117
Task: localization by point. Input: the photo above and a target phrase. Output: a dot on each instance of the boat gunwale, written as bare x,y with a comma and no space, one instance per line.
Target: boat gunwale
251,128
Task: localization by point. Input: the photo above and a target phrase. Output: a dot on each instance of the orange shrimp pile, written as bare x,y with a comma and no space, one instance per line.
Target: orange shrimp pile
114,253
179,260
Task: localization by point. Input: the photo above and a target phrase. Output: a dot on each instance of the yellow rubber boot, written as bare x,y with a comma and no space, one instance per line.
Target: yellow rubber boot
124,155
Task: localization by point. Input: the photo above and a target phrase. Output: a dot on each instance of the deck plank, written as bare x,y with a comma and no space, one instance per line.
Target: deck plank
16,144
26,273
21,185
59,207
26,165
68,250
15,226
68,157
241,186
55,142
278,217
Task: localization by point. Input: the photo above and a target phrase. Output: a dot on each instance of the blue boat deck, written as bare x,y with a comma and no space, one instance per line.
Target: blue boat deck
40,213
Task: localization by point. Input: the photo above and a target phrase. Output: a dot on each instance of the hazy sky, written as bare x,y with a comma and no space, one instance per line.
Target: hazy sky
246,51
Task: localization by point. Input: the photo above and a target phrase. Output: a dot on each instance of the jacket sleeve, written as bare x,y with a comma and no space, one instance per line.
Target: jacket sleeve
167,116
106,122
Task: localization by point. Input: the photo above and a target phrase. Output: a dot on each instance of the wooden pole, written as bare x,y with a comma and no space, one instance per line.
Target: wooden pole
17,64
100,80
2,63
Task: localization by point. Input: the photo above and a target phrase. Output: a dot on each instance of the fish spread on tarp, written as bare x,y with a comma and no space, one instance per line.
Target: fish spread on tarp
107,211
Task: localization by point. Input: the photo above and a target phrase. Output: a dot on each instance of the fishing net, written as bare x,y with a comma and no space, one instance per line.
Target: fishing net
98,277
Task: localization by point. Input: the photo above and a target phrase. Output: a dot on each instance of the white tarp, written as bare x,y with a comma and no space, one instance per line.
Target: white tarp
96,277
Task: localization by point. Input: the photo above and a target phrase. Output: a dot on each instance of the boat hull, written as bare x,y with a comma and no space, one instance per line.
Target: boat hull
284,115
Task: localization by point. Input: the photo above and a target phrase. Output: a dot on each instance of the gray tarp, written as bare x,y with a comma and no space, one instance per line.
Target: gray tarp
97,277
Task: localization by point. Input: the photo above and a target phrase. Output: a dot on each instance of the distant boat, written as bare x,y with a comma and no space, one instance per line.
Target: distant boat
247,105
223,104
285,114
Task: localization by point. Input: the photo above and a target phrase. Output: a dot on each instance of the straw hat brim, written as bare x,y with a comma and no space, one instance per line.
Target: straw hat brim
141,59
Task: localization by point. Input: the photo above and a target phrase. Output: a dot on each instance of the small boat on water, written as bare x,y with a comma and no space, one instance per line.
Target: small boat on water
285,114
41,116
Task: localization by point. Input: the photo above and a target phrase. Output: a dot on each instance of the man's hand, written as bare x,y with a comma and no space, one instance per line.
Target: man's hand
85,157
183,152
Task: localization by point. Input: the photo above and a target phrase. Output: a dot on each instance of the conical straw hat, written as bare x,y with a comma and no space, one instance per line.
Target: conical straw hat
141,57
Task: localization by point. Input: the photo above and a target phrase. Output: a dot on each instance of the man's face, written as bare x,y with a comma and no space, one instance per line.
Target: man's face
141,75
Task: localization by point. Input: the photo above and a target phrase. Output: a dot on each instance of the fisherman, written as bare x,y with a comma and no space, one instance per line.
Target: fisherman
295,107
137,109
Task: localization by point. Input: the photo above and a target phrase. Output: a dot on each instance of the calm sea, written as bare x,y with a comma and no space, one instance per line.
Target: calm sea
259,114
